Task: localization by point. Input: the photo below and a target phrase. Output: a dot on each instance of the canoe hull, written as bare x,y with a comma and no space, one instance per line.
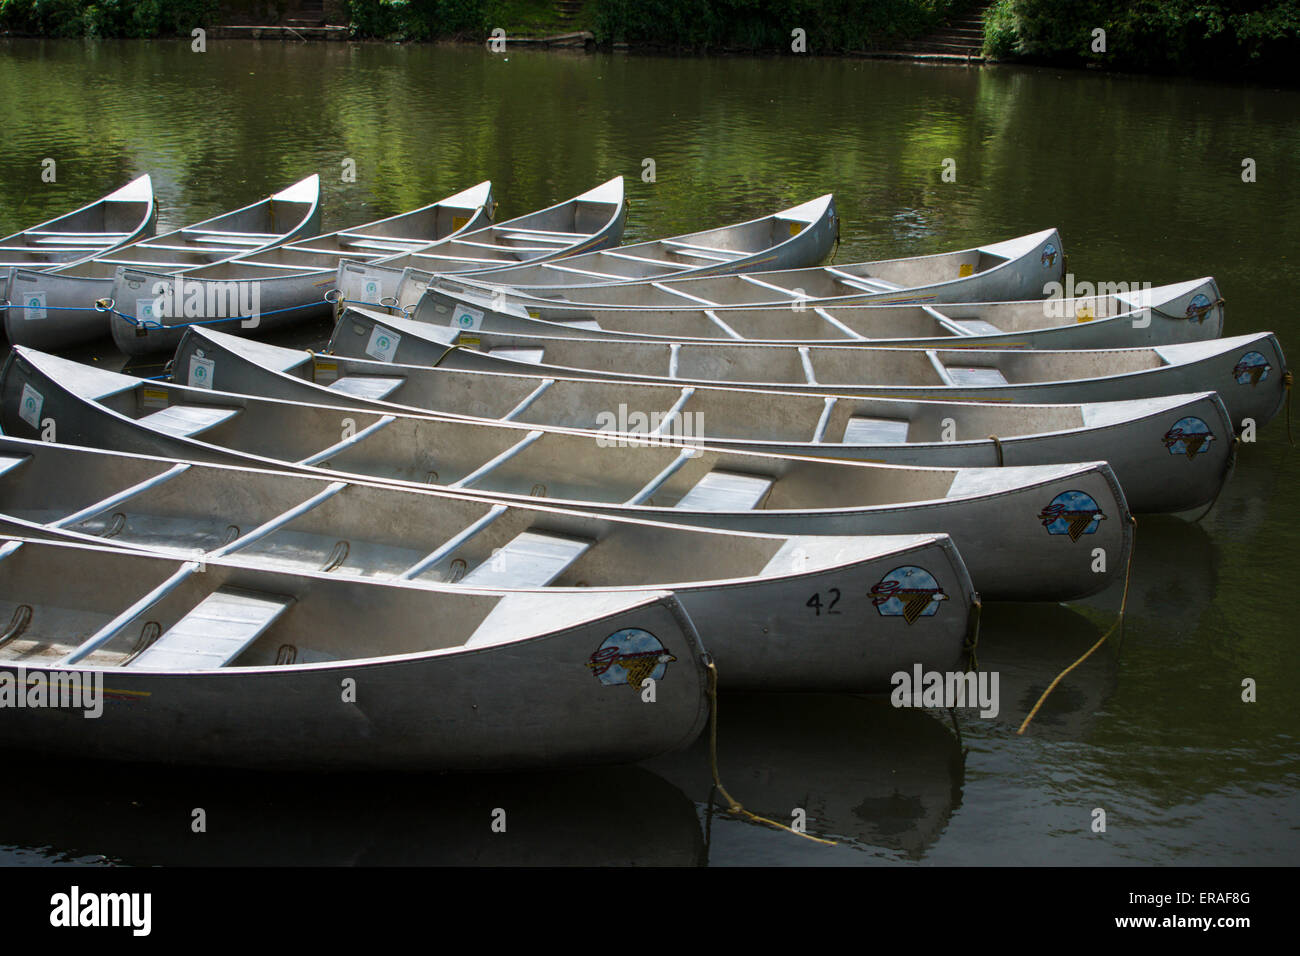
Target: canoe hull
281,301
62,312
836,630
1001,518
56,310
869,325
1248,371
522,704
1159,470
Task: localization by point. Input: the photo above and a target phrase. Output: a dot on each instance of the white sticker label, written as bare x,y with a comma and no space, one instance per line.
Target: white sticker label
201,371
35,306
144,310
30,405
382,344
463,317
371,294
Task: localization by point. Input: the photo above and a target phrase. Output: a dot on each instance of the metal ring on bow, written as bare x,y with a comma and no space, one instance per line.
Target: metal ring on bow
104,305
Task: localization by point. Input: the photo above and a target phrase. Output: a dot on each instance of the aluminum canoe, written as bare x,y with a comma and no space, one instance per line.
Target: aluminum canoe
1170,453
592,220
1021,268
216,663
123,216
1181,312
266,290
1025,532
800,236
776,613
59,305
1248,371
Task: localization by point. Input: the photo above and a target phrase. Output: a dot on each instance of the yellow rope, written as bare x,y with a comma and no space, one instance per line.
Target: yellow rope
450,349
997,443
1123,604
733,806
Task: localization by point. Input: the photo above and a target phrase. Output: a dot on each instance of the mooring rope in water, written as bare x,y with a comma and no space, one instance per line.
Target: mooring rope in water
1123,605
733,806
972,640
1227,473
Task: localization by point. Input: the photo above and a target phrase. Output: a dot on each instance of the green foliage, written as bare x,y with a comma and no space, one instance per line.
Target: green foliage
1257,38
416,19
105,18
1001,32
832,26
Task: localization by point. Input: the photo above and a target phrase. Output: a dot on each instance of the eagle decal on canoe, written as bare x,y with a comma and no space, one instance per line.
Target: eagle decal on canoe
908,592
1198,308
1190,436
1075,513
1251,369
628,657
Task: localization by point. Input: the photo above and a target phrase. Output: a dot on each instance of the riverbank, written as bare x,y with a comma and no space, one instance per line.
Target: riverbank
1256,40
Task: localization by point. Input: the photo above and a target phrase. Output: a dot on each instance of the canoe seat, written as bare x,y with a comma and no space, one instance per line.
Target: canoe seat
865,283
531,560
526,236
726,491
533,356
373,387
75,240
976,327
862,430
263,236
565,236
216,632
186,421
975,375
9,462
76,235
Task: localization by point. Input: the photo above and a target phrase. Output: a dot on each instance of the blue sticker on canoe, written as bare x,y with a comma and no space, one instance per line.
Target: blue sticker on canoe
1251,369
908,592
1190,436
1049,255
1075,513
628,657
1199,307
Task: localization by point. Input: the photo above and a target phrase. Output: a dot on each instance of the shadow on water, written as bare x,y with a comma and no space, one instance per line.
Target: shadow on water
867,774
140,816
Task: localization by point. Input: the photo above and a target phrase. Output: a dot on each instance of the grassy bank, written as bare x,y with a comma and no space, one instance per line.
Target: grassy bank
1256,39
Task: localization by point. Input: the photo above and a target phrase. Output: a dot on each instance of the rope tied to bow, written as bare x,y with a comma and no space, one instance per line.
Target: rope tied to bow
1123,605
733,805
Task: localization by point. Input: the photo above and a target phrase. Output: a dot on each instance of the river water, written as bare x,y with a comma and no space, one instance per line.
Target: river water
1143,177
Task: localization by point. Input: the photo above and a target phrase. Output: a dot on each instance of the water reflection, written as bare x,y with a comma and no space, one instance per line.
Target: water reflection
143,817
867,774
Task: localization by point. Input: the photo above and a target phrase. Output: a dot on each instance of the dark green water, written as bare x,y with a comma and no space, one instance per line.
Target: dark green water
1142,176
